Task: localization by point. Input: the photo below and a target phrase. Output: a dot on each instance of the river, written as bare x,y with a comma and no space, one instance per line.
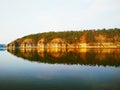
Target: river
71,70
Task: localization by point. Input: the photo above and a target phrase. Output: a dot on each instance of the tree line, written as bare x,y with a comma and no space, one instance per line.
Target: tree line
85,36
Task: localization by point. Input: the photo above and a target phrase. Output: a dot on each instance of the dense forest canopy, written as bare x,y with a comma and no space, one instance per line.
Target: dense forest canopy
85,36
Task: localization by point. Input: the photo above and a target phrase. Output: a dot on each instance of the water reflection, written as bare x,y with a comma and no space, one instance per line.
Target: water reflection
104,57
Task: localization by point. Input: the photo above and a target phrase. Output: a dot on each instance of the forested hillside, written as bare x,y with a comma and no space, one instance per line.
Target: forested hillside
91,37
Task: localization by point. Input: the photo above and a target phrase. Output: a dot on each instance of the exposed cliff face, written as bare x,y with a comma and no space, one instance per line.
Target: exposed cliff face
28,43
85,39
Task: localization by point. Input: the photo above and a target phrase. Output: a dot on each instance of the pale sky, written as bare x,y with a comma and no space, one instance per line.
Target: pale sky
23,17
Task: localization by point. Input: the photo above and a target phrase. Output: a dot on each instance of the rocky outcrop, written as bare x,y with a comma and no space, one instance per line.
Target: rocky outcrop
41,43
59,43
28,43
64,40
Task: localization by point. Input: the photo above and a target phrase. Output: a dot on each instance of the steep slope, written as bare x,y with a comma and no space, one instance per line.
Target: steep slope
69,39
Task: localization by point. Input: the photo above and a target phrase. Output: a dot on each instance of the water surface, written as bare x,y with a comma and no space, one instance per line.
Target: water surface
52,70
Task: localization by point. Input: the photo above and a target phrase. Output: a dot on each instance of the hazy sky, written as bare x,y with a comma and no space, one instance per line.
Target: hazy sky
22,17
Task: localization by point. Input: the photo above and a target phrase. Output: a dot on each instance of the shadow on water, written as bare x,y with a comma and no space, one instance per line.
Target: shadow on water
99,57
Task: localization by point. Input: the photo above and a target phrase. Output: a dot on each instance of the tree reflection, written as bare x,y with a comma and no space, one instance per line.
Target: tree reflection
104,57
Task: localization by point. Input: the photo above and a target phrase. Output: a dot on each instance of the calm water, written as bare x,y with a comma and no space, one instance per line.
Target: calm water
53,70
